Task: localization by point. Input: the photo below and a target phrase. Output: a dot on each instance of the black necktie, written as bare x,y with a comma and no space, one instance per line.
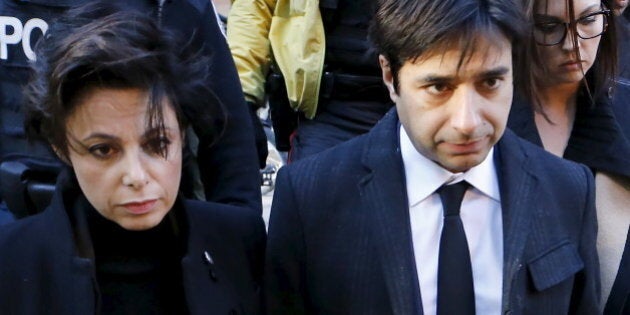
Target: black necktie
456,294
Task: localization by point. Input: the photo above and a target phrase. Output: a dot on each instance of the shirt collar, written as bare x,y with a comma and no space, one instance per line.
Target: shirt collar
423,176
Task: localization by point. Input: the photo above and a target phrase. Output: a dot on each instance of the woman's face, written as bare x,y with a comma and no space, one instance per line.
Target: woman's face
619,6
117,160
562,63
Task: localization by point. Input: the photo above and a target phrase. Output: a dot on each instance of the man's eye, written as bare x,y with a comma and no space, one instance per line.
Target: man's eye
438,88
101,151
492,83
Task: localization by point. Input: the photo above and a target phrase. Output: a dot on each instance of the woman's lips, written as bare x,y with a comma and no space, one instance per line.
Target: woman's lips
571,65
141,207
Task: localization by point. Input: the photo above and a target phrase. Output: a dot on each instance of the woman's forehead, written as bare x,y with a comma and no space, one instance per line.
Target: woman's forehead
113,108
560,8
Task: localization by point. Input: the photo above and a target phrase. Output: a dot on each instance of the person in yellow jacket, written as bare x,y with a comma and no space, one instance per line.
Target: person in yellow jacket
315,57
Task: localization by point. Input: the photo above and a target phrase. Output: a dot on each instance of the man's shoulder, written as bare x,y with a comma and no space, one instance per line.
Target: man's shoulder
350,156
329,173
341,157
334,164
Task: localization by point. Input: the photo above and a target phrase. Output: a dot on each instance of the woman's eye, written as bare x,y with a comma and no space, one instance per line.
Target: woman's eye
101,151
548,28
158,145
587,20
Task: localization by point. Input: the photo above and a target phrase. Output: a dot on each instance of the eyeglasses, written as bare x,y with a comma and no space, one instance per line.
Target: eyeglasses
553,32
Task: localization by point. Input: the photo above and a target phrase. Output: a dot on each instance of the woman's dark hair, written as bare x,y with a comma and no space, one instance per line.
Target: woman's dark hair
405,30
107,45
600,78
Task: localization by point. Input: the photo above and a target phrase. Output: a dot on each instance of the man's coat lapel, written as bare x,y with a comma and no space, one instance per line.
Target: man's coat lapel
385,195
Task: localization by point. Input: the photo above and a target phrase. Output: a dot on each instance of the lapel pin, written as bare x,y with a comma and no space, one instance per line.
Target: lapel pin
210,262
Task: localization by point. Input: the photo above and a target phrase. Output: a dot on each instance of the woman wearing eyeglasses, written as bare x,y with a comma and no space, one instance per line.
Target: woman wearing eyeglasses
576,110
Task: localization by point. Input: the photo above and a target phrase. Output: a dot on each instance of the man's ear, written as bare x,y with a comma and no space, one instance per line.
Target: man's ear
388,77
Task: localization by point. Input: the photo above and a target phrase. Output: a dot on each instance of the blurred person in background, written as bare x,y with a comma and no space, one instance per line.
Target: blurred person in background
314,64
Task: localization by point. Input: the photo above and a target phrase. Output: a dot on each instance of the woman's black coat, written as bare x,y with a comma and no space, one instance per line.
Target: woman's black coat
43,269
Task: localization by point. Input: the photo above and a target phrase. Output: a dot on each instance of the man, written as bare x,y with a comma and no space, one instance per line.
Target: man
228,168
369,227
313,62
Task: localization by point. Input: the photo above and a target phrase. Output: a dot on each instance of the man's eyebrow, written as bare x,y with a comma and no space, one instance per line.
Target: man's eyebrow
434,78
496,72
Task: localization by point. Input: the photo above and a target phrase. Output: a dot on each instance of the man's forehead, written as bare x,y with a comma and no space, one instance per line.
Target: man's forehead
468,43
484,56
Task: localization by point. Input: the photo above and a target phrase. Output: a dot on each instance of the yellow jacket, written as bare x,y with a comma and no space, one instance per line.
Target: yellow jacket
291,33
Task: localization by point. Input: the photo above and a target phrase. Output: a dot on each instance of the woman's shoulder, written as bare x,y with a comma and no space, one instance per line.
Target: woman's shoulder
219,209
31,235
227,217
620,93
622,87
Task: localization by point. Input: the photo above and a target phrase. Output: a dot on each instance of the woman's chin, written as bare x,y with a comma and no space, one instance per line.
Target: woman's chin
142,222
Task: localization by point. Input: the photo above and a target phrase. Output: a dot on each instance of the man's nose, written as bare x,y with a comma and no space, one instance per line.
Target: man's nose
466,117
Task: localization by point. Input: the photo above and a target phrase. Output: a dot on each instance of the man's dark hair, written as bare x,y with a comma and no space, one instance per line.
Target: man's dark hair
405,30
107,45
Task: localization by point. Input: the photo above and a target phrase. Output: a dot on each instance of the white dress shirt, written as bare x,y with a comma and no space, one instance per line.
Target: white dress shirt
481,217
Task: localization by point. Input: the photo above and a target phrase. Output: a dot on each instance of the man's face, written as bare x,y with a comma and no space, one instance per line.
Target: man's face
452,116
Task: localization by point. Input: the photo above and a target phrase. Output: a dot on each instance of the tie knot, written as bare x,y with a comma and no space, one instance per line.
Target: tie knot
452,196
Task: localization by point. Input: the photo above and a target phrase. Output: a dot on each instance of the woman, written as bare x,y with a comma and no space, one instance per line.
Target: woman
623,29
112,94
575,116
